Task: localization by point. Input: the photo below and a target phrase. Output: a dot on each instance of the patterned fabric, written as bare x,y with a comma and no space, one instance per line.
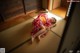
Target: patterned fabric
37,23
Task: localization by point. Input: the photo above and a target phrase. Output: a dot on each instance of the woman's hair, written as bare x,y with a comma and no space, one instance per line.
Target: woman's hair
53,20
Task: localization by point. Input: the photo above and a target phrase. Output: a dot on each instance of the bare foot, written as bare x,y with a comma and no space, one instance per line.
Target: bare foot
39,37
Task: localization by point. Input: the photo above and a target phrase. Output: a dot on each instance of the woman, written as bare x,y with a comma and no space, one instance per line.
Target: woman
41,25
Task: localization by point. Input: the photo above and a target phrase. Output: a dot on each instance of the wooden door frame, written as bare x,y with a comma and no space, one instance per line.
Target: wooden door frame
66,27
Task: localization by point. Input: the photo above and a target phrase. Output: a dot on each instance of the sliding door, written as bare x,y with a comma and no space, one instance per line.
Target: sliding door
32,5
10,8
56,4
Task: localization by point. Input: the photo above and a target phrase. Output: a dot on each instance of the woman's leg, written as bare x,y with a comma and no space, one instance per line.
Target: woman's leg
42,34
39,33
49,28
32,39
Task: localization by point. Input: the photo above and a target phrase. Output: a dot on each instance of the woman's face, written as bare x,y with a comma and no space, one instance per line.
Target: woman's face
53,20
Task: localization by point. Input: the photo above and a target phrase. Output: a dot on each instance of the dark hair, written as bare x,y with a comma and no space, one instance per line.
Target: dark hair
53,20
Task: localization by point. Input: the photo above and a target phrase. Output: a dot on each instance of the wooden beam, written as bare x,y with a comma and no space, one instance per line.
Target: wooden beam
24,6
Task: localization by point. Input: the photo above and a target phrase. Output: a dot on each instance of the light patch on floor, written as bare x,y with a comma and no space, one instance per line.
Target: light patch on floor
60,24
55,16
51,15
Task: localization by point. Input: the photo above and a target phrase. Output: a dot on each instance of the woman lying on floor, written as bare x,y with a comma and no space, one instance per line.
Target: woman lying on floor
41,25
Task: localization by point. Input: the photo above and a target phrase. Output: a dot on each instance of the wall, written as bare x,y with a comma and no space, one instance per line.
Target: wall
13,8
44,4
56,3
64,3
47,4
0,19
32,4
51,4
9,8
73,33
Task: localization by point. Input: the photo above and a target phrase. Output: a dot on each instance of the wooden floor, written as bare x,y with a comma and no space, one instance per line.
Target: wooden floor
61,11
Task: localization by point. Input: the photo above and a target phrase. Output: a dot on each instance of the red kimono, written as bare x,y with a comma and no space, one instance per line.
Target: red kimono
37,23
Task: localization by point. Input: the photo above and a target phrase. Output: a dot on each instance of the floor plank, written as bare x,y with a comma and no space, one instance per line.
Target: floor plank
61,11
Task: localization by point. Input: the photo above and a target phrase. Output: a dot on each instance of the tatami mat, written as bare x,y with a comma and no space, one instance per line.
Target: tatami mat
59,27
48,44
15,35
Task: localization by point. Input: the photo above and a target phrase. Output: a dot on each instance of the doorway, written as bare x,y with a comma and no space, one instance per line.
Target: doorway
59,7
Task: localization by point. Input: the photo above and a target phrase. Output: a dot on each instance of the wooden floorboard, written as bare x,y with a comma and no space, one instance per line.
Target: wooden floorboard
61,11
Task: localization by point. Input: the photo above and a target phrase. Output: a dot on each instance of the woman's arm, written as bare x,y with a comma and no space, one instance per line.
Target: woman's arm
43,29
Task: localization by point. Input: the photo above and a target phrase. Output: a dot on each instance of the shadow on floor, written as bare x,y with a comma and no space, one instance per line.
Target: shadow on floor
15,35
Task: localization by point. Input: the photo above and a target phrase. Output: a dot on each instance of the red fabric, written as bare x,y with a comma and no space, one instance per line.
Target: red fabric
37,23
